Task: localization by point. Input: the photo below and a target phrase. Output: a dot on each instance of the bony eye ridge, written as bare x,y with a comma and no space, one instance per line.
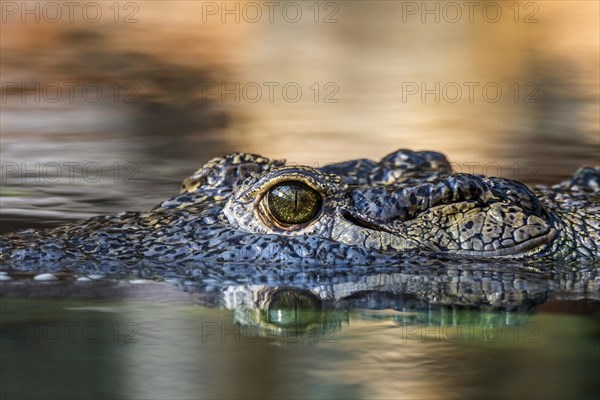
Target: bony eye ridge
293,202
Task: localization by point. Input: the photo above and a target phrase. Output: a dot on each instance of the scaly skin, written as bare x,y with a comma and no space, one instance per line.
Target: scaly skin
409,203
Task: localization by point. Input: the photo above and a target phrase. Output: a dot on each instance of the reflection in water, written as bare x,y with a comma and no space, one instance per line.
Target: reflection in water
289,313
411,334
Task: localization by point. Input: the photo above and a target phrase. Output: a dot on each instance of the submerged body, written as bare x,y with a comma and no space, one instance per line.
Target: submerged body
245,208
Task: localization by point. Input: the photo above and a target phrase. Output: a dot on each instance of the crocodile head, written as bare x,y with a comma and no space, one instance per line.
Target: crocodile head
408,201
244,208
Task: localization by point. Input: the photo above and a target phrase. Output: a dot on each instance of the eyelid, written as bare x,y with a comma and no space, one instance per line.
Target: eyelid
263,188
329,186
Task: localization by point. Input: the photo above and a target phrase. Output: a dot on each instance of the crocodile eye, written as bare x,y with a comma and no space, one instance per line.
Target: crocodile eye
293,202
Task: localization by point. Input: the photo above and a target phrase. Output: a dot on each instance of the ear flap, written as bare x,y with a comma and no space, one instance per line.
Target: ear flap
228,170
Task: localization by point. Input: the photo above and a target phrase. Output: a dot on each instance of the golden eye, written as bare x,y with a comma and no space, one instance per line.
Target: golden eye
293,202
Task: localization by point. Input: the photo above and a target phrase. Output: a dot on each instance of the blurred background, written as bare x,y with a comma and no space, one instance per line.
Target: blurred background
108,105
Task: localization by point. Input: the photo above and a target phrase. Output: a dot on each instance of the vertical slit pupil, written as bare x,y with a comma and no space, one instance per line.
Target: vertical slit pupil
295,199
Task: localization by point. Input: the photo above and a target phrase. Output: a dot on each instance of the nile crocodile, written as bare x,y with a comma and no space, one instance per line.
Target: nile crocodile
245,208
